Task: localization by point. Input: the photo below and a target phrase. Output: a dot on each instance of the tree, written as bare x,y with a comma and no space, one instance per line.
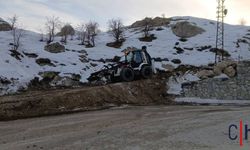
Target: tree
163,15
53,23
41,34
81,33
242,22
66,31
116,29
72,35
147,27
13,21
91,32
16,33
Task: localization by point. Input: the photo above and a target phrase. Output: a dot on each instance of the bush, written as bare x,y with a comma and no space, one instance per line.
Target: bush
44,62
183,40
116,44
159,29
148,39
220,52
49,74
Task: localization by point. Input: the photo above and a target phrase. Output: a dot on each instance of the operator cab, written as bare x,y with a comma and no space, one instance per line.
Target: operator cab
135,57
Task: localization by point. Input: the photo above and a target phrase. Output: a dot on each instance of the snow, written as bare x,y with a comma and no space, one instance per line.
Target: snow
192,100
222,76
163,47
2,21
175,82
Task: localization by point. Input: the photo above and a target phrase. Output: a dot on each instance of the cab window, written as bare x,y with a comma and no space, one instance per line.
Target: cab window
137,57
129,56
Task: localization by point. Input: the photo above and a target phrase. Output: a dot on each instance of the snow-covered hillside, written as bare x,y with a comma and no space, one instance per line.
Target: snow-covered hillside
20,72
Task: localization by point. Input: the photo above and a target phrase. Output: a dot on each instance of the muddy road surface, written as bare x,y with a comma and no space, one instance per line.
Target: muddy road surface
128,128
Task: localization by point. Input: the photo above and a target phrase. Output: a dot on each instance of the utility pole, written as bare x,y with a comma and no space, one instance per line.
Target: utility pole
221,13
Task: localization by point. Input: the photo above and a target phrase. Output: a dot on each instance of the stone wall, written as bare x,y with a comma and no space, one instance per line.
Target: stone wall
237,88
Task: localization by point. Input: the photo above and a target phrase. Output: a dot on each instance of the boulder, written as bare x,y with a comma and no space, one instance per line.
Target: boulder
44,62
64,82
217,70
186,29
221,66
179,50
4,26
93,64
4,81
176,61
168,67
230,71
83,52
76,77
55,48
31,55
204,74
83,58
157,59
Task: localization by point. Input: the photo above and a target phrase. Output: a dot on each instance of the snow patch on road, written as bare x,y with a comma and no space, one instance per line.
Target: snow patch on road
211,101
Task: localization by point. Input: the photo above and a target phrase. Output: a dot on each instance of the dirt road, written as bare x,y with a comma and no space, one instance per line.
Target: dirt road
128,128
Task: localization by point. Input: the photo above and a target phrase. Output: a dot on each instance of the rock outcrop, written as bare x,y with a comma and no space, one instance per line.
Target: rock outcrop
4,26
157,21
55,48
186,29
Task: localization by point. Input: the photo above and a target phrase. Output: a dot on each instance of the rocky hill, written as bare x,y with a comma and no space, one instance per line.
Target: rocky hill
4,26
157,21
178,41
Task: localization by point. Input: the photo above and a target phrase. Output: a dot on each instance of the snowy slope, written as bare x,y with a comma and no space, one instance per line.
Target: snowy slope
21,72
1,20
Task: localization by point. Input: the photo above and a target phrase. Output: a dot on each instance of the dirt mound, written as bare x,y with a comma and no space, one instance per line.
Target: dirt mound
157,21
186,29
40,103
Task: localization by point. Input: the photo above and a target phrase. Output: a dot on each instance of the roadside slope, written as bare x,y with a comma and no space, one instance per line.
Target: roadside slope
40,103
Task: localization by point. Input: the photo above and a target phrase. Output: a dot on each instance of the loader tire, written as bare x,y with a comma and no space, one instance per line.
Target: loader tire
127,74
146,72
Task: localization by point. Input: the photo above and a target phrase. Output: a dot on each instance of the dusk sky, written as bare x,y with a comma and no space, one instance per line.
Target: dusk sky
32,13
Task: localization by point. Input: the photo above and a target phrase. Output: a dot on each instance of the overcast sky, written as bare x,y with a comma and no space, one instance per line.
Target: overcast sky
32,13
